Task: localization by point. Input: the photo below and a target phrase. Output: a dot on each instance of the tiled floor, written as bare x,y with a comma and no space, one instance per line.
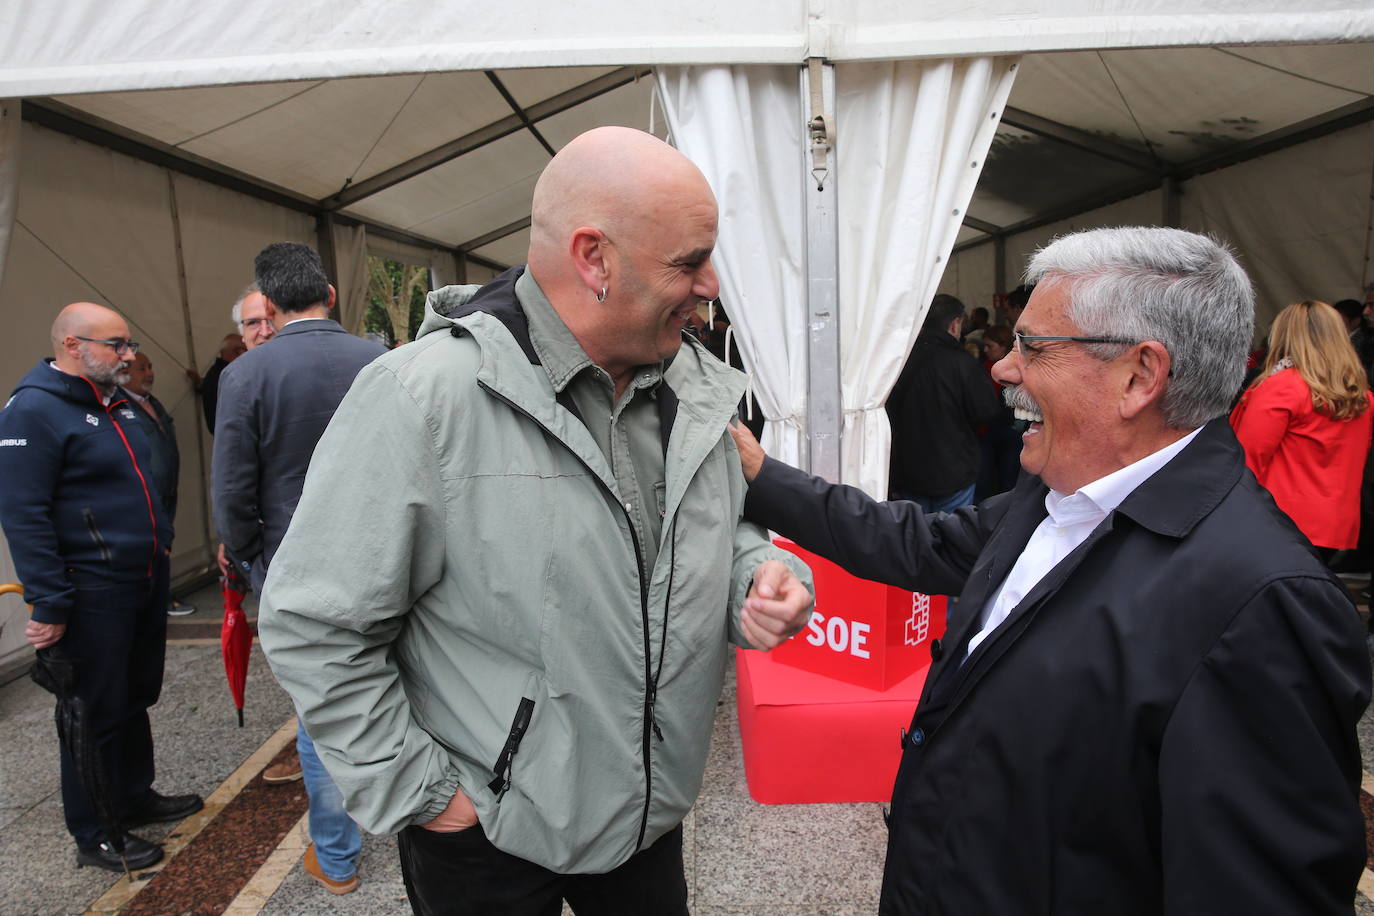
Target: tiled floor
742,857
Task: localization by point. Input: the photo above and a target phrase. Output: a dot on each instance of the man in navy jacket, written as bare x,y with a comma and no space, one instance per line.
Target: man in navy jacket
89,540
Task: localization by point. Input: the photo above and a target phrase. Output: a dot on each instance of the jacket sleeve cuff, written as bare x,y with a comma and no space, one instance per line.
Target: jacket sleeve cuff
442,792
52,612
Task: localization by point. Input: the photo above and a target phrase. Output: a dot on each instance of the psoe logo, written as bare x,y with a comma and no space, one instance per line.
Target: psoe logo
92,420
918,627
5,442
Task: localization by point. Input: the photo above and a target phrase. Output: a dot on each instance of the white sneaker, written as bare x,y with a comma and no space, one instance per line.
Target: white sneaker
177,609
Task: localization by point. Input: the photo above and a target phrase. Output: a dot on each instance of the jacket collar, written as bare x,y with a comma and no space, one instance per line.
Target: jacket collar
1189,487
698,396
306,327
939,338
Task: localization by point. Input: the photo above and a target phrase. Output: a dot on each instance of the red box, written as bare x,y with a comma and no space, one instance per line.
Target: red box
861,632
808,738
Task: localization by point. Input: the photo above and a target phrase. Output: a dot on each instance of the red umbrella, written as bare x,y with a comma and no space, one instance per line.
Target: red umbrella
235,642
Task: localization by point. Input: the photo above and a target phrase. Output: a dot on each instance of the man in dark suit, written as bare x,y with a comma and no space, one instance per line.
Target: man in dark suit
1146,702
274,404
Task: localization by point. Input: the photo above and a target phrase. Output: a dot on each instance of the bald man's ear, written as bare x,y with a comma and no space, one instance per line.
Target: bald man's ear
589,250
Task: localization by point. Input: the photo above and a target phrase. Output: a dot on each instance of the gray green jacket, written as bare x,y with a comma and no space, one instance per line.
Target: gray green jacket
458,602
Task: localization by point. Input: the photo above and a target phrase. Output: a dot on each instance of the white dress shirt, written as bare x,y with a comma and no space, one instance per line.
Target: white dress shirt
1071,519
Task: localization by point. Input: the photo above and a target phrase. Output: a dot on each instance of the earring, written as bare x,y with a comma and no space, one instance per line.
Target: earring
602,296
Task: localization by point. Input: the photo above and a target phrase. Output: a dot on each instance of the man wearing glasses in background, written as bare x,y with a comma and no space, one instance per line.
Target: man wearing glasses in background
89,540
1146,702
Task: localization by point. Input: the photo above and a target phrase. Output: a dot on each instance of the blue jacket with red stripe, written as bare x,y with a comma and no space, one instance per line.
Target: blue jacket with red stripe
75,500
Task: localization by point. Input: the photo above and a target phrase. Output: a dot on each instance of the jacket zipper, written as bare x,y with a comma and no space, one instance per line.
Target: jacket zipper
523,714
147,495
96,536
650,681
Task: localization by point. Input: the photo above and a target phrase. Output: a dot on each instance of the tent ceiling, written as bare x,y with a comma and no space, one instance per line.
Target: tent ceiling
450,158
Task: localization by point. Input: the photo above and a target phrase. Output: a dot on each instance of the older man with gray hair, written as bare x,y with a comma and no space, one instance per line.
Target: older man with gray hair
1146,701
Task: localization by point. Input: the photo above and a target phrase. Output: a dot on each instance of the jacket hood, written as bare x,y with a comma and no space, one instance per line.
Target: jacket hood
443,306
69,387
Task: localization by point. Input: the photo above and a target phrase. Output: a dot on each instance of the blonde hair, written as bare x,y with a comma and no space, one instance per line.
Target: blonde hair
1311,335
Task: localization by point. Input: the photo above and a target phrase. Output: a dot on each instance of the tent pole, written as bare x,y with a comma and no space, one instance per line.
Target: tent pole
184,292
824,414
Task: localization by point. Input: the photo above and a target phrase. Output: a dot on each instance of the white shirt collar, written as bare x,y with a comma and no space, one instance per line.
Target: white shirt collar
1097,499
296,320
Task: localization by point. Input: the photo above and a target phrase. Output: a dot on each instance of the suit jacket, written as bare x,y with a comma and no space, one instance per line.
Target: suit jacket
1165,724
274,404
1313,465
209,392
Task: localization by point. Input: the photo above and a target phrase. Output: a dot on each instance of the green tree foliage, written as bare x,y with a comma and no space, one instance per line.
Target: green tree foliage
395,298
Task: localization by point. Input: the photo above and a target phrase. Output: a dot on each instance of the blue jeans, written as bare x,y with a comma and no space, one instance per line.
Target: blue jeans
947,503
336,838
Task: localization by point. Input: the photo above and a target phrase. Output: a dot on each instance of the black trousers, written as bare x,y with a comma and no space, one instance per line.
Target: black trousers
118,634
463,874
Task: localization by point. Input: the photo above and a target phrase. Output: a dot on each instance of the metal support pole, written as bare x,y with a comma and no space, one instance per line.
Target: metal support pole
1169,194
324,237
824,407
999,265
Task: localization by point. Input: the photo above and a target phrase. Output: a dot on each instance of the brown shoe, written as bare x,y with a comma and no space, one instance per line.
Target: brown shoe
289,770
312,868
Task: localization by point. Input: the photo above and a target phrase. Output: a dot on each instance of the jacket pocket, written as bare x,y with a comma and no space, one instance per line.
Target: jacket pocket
96,537
523,714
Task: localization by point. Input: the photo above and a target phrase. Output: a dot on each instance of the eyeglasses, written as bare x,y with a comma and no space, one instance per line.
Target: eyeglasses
251,322
1026,343
119,344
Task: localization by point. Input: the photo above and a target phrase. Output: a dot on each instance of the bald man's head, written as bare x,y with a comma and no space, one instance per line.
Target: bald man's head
621,234
92,341
611,178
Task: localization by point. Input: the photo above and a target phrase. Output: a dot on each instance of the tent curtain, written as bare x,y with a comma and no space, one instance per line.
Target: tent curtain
350,253
10,124
911,138
743,127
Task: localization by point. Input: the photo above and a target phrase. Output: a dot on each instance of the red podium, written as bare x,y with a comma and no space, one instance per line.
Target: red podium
821,716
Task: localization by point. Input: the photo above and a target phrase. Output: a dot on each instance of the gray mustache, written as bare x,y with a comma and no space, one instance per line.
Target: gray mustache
1016,398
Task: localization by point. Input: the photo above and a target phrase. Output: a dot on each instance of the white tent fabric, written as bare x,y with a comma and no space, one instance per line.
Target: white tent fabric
10,126
350,256
97,45
1298,218
743,127
911,137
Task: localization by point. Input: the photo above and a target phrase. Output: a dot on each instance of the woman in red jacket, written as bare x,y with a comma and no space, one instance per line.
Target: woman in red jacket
1305,424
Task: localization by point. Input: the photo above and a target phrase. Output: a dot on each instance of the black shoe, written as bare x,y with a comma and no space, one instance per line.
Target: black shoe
138,853
157,809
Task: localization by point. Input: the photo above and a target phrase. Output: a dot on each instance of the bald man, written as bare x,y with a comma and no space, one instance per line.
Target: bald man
508,595
89,539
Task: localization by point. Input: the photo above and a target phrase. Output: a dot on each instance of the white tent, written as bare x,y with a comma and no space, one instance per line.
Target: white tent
147,151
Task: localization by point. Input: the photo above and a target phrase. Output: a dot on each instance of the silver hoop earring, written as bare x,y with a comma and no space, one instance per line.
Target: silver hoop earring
602,296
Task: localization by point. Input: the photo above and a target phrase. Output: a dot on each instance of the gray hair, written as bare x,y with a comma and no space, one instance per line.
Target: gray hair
1184,290
236,311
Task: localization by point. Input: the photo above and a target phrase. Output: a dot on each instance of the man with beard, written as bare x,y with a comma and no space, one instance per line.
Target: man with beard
1147,700
89,540
506,601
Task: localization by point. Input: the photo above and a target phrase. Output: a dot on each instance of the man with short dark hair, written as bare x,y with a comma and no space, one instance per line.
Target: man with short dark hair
89,539
275,402
936,407
1148,699
506,603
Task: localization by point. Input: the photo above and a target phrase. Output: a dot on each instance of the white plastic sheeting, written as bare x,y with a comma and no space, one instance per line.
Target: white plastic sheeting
910,139
913,138
105,45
